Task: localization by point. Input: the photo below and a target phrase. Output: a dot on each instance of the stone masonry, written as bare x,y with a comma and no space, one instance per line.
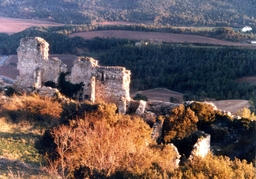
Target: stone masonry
100,83
34,66
105,83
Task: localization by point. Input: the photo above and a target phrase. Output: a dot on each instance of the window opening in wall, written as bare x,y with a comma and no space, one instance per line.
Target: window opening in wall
102,76
86,96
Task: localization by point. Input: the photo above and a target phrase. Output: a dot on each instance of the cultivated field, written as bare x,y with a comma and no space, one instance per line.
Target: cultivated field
251,80
14,25
161,94
158,36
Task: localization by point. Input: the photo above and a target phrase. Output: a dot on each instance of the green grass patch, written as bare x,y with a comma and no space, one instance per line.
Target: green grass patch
20,147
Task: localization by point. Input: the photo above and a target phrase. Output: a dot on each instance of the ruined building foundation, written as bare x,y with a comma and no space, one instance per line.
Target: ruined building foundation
102,83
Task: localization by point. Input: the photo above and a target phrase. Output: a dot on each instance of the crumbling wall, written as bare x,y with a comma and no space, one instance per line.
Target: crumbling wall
109,84
31,54
34,66
52,69
113,85
83,71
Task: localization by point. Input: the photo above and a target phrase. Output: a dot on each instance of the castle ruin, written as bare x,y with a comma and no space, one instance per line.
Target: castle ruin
34,66
100,83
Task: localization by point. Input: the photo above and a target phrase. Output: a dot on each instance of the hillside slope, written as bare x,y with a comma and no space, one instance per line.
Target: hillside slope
173,12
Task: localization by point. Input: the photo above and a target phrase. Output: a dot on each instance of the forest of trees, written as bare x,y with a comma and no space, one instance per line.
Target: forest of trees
198,71
172,12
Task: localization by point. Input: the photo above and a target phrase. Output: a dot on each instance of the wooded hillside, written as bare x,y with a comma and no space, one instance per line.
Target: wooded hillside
172,12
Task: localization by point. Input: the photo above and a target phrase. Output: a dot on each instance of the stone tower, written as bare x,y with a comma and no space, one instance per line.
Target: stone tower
32,53
34,66
103,83
83,70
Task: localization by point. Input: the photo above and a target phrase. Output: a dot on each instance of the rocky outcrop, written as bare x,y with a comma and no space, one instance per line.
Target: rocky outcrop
48,92
141,107
160,107
157,131
202,146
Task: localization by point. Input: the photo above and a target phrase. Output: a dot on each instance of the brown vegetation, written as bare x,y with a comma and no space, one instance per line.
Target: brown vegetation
104,144
179,124
214,167
99,143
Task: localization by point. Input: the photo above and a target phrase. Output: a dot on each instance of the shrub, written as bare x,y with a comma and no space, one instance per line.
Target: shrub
66,87
180,123
173,100
246,113
214,167
32,109
107,144
9,91
205,112
140,97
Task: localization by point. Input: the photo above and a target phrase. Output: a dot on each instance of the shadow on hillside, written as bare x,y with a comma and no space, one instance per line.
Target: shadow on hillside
32,120
19,135
17,168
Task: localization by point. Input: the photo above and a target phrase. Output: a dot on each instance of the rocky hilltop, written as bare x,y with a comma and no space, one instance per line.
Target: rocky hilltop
195,128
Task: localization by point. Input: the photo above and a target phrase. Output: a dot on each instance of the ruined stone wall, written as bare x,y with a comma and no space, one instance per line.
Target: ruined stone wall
83,70
34,66
52,68
109,84
102,83
112,85
31,54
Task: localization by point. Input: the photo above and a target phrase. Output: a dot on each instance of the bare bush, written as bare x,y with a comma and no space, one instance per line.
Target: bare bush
106,143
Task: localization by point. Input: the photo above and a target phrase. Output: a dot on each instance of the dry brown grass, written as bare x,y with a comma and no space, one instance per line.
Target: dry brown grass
25,113
19,132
